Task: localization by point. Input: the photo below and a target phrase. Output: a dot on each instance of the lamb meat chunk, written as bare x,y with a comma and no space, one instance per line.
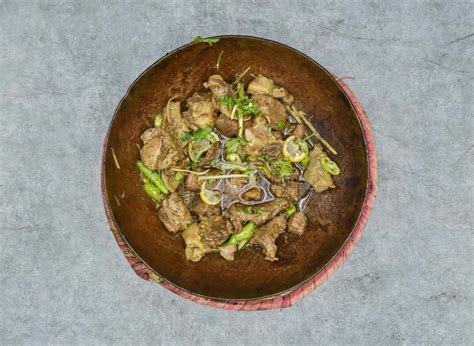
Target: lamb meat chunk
315,174
253,194
297,223
174,214
299,131
195,247
266,236
215,230
229,127
240,214
284,95
161,151
210,154
174,121
273,150
200,209
259,135
192,183
201,111
219,87
271,108
149,134
228,252
260,85
168,177
291,190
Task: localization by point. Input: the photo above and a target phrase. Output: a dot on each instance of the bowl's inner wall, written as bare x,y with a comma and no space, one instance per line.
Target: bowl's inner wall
332,214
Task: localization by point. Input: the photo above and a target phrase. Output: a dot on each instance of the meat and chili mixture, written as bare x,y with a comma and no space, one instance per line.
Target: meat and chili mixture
231,166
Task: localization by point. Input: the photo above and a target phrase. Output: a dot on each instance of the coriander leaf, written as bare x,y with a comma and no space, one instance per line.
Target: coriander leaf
282,167
245,105
227,101
280,124
186,137
234,144
202,133
209,41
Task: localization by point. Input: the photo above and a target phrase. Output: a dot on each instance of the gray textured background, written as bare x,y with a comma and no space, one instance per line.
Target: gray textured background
64,68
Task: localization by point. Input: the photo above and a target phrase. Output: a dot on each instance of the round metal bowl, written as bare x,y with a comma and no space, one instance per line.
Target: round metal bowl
334,216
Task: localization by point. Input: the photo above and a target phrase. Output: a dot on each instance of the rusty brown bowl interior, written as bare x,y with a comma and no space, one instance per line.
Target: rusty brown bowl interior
332,214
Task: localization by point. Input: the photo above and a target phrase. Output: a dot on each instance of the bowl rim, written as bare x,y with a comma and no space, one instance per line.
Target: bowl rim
342,252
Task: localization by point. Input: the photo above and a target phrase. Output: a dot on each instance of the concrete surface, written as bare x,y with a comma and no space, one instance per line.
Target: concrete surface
64,67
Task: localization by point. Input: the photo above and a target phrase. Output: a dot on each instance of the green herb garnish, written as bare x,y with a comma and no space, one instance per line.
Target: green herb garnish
282,167
210,41
202,133
196,135
218,63
244,105
234,144
280,125
290,210
186,137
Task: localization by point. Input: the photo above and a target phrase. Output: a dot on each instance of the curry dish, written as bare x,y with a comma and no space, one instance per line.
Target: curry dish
232,166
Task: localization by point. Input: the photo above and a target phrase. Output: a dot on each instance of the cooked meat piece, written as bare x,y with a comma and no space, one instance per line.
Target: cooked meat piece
169,180
291,190
315,174
266,235
261,85
200,209
253,194
195,247
174,121
161,151
192,183
273,150
299,131
229,127
259,135
240,214
284,95
174,214
149,134
238,182
297,223
271,108
228,252
210,154
218,86
201,111
215,230
276,134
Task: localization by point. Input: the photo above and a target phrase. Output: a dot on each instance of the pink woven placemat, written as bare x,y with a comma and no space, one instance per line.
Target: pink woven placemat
288,299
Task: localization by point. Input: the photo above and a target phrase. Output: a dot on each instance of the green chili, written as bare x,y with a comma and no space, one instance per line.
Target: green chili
329,166
179,176
290,210
153,176
244,235
158,120
305,162
152,191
